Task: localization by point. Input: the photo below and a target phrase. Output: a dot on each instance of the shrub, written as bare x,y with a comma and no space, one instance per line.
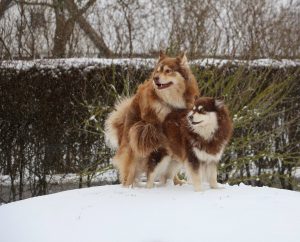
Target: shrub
51,121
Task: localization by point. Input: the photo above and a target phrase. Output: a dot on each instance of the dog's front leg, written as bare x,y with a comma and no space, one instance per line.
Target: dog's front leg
194,169
212,173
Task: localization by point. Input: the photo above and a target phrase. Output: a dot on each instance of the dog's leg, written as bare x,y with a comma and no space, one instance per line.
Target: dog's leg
212,174
150,180
159,169
127,166
173,170
163,179
195,176
120,161
194,168
131,172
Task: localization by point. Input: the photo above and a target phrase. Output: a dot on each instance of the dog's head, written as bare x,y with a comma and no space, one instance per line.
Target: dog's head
170,78
203,118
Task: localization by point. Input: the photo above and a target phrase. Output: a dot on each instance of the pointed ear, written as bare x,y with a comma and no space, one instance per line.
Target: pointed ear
182,58
162,55
219,102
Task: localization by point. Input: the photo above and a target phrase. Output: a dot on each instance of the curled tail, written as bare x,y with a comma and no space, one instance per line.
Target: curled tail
145,137
114,123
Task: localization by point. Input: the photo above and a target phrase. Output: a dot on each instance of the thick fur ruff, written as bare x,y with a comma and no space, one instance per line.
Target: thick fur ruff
145,137
135,125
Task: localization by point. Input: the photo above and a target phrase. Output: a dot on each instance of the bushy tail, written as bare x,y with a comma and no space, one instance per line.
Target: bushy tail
114,124
145,137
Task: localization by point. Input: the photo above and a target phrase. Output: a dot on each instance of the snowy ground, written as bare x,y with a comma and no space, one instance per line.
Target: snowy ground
116,214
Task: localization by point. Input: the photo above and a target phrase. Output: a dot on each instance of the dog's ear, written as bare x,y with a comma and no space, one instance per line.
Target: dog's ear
183,59
162,55
219,102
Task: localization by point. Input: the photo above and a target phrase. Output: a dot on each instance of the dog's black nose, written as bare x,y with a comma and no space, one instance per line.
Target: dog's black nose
191,117
156,78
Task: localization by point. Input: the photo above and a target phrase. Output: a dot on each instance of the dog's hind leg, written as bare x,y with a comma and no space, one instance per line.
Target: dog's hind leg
157,165
131,169
126,165
173,170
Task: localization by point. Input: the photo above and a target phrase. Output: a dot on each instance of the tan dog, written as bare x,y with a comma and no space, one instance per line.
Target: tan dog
135,127
196,138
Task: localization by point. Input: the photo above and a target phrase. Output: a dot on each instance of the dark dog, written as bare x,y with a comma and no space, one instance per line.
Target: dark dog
195,138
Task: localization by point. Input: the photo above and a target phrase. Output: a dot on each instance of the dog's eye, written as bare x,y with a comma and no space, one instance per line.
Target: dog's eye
201,110
167,71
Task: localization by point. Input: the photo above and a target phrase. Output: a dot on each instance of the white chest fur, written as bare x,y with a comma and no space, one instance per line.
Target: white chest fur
206,157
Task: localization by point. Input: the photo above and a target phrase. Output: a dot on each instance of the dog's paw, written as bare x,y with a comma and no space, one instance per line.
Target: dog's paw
149,185
197,189
178,181
217,186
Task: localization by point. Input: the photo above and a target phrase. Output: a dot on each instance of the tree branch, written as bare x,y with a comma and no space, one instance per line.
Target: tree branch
87,28
6,48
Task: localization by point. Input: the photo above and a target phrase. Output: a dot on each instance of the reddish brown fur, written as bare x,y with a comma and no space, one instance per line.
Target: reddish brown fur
181,139
142,128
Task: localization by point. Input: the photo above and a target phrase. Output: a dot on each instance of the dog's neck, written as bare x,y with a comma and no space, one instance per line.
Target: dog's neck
207,132
172,98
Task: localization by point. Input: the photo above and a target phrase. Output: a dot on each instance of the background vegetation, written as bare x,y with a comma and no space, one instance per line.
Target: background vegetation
51,115
51,122
126,28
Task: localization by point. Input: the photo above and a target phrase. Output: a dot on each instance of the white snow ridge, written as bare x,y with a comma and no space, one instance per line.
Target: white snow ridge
166,214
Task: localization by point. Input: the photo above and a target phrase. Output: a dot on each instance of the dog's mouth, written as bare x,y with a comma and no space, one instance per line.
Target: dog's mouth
195,123
161,85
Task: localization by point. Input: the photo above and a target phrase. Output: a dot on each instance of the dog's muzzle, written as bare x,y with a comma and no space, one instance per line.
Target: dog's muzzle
161,85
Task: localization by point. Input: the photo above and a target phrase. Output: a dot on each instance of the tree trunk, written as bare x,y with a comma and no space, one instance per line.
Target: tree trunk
63,31
5,5
88,29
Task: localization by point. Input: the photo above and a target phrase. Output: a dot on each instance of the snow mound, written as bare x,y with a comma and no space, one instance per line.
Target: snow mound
166,214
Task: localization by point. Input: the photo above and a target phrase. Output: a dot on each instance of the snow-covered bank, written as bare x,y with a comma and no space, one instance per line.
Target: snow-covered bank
112,213
106,176
137,62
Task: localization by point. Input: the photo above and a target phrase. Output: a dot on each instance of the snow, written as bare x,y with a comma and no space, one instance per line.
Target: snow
108,176
116,214
88,63
296,172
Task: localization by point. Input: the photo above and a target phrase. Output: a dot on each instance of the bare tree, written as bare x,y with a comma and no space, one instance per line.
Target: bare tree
228,28
86,27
